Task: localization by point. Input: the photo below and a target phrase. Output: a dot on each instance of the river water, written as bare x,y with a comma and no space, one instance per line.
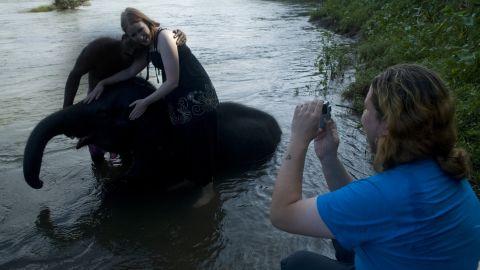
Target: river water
259,53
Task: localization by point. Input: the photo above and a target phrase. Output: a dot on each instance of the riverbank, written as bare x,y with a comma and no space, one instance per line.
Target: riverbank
443,36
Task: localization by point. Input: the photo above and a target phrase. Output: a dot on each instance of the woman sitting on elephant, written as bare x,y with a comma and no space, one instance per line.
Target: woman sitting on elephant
186,87
116,55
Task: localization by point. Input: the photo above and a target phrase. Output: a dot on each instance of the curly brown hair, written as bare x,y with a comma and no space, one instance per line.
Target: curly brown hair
420,115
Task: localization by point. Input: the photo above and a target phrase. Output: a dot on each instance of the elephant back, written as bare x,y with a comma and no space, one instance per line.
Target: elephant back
246,136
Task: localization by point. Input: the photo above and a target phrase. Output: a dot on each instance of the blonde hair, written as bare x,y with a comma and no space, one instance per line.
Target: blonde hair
132,15
420,116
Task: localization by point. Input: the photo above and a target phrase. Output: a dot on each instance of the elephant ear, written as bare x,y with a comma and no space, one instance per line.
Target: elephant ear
84,141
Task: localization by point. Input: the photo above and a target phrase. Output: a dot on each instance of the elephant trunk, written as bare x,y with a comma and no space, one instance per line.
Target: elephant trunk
66,122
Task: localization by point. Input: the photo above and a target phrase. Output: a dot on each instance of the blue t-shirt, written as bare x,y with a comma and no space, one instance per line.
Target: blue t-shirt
410,217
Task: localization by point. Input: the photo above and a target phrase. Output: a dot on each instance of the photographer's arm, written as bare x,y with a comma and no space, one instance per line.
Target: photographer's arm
335,173
326,146
289,212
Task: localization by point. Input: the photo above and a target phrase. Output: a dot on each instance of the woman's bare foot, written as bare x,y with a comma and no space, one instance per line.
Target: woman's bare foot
207,195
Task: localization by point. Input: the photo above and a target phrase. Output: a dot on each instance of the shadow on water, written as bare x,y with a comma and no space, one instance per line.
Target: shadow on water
157,232
159,228
140,226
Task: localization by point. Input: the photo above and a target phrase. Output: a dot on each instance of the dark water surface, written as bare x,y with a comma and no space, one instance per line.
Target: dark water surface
259,53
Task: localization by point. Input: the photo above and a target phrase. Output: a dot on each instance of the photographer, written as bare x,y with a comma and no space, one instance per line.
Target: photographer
418,212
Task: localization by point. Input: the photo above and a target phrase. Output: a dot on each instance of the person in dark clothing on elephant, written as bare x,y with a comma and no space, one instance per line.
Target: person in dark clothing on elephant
186,88
102,58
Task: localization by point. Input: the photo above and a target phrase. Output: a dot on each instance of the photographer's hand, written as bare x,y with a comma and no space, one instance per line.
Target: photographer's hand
305,122
327,141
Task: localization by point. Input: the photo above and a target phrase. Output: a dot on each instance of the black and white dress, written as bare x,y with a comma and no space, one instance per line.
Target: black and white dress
195,95
192,112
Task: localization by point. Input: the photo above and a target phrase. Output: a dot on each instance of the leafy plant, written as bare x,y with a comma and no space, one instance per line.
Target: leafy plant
443,35
68,4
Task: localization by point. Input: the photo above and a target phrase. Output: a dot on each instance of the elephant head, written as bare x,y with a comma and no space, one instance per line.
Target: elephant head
103,122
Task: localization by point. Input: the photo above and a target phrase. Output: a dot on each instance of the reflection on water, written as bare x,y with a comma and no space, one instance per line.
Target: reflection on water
260,53
141,232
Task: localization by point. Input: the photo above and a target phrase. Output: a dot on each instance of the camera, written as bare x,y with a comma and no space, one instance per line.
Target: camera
326,114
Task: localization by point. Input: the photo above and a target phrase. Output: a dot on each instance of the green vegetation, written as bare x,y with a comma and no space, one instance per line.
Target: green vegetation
68,4
43,8
60,5
443,35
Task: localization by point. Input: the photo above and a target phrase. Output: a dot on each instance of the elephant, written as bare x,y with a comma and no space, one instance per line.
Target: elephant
92,60
102,58
246,136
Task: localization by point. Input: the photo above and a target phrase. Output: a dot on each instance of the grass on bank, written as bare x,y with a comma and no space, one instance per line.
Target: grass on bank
441,35
59,5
